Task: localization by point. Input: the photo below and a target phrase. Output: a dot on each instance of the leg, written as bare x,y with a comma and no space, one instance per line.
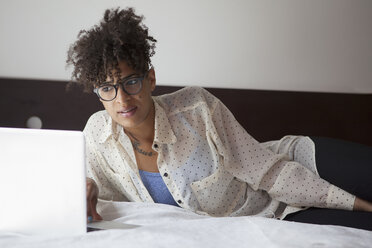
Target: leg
345,164
349,166
361,220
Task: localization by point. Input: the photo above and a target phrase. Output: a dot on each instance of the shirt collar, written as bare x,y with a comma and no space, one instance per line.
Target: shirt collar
163,129
111,128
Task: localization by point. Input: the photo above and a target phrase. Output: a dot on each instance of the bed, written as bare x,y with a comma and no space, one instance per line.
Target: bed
162,225
340,116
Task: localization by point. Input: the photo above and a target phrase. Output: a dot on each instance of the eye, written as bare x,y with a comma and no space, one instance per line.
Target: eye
131,82
107,88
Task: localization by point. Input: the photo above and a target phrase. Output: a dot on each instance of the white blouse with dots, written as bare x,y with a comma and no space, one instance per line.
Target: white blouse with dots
209,163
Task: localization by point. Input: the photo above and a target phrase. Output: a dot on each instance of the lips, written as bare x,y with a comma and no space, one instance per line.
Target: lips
127,112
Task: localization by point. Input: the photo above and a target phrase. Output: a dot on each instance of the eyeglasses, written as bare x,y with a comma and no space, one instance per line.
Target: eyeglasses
131,85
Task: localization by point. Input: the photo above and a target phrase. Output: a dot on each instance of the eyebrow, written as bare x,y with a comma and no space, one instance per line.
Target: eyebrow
121,79
131,75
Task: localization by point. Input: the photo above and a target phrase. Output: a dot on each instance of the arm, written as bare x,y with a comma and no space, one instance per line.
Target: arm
92,190
284,180
97,183
92,199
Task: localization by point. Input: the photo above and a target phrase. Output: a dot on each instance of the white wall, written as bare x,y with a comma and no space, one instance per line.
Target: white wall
305,45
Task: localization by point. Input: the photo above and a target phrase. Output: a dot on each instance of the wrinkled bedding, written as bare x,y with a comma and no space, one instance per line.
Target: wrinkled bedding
168,226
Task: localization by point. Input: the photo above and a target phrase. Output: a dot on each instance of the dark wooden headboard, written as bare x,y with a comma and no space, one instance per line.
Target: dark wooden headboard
266,115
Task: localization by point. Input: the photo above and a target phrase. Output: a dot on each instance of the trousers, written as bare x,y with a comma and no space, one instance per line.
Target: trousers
347,165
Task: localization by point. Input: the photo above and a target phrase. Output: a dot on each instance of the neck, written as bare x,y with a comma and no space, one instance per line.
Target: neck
146,130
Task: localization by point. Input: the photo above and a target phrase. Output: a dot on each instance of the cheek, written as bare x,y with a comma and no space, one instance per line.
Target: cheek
144,96
107,106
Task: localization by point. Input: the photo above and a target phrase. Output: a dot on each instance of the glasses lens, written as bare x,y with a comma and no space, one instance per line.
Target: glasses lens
133,86
107,92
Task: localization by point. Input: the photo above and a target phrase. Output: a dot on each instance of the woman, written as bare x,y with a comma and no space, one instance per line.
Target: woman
186,148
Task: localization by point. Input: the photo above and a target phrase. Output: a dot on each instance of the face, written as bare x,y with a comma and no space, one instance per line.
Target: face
132,111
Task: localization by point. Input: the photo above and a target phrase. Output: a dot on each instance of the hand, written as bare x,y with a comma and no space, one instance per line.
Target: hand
362,205
92,198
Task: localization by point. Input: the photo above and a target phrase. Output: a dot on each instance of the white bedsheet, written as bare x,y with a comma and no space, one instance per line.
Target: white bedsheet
169,226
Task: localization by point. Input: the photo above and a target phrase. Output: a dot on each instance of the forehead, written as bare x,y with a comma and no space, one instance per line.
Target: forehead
123,70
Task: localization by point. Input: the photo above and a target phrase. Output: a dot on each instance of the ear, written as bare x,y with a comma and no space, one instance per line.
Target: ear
152,79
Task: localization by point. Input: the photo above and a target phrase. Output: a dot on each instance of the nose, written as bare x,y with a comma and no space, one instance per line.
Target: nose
121,96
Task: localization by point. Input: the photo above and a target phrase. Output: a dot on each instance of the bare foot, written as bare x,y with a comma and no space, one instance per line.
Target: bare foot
362,205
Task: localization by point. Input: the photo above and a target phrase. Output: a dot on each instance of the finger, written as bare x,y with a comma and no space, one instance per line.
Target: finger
89,209
89,196
89,219
93,209
92,195
96,216
89,190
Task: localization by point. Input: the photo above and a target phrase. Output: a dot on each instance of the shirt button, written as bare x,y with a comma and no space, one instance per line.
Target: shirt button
165,174
179,201
156,146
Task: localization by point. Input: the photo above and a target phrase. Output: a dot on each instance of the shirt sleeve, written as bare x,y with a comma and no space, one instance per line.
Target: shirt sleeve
284,180
94,168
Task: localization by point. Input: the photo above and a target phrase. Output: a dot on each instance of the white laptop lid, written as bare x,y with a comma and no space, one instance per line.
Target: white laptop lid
42,182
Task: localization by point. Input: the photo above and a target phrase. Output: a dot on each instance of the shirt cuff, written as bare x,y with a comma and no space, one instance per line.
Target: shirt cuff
339,199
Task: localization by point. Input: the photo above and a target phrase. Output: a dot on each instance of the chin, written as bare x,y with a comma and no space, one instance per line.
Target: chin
128,124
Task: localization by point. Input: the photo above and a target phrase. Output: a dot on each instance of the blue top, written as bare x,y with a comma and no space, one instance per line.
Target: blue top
157,188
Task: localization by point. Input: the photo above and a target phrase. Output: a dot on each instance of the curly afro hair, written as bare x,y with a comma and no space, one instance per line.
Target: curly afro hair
120,36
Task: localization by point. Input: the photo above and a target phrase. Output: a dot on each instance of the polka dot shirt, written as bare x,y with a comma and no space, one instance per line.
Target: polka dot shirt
209,163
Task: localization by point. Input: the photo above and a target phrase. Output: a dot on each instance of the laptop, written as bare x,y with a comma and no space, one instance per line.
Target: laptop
42,183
